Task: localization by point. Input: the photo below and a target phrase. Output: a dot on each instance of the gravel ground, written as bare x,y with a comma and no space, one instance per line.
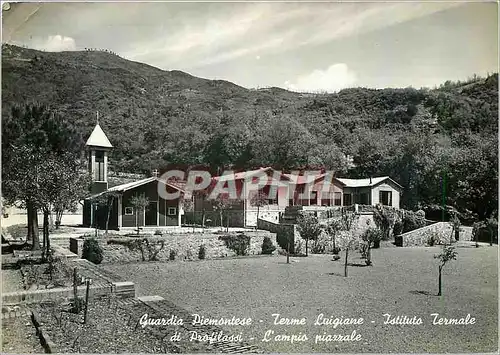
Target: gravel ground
403,281
18,336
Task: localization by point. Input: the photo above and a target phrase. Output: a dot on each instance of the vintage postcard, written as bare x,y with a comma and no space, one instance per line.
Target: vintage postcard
249,177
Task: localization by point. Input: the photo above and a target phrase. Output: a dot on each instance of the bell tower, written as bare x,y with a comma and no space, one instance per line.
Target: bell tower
98,147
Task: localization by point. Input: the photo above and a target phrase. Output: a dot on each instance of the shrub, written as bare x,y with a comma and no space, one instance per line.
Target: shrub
202,252
420,214
239,243
158,232
92,251
282,239
268,246
432,240
318,247
412,221
172,255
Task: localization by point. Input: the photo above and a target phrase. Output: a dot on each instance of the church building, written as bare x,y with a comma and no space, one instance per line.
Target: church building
114,204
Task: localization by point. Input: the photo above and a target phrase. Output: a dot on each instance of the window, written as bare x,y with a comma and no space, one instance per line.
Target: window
129,211
347,199
338,199
99,166
385,198
172,211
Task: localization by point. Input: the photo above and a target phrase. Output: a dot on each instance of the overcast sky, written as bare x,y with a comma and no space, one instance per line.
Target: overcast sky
299,46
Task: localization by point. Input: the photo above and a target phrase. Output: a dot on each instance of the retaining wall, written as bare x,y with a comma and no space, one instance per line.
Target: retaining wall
441,231
185,245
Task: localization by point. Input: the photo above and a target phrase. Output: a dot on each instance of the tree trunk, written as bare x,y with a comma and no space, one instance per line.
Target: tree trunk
345,264
439,284
369,255
221,223
110,205
46,244
306,245
29,208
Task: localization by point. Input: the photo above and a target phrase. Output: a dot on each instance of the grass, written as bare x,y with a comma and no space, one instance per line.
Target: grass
403,281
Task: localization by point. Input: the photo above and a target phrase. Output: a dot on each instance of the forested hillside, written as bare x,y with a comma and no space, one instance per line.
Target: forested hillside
155,118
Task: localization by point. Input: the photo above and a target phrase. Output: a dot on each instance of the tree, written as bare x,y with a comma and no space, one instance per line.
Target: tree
371,236
455,228
384,217
446,255
333,229
259,199
59,183
30,134
140,203
348,240
106,200
308,227
222,204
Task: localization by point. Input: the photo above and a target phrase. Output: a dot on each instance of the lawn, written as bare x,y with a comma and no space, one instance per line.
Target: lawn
402,282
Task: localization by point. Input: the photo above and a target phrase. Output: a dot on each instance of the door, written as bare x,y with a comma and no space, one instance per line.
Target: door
151,214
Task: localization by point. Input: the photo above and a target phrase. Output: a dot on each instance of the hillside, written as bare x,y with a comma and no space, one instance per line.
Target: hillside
155,118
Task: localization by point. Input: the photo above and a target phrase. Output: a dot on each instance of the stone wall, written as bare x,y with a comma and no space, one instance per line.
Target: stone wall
441,231
186,246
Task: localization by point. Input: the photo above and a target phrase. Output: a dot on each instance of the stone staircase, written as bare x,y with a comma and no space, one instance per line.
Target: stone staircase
291,214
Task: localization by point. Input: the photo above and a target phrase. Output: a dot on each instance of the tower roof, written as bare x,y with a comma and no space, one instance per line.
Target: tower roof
98,138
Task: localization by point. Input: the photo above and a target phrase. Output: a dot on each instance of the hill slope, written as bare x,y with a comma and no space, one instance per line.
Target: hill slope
155,118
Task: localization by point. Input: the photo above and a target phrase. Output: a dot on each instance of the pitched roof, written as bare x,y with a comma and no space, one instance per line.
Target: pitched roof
366,182
134,184
244,174
98,138
304,179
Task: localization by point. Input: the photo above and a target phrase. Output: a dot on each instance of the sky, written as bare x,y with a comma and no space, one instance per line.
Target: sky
308,46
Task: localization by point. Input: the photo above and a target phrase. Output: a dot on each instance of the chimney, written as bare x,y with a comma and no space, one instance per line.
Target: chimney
370,180
154,173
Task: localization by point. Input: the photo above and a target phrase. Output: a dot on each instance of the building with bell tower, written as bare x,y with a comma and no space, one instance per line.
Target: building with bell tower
98,147
119,211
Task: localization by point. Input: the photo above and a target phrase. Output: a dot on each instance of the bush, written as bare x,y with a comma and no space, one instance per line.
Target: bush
172,255
484,231
282,239
268,246
92,251
318,247
158,232
411,221
432,240
202,252
239,243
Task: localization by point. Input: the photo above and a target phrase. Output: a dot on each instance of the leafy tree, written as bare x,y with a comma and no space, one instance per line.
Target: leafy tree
140,203
59,183
384,217
333,229
39,159
308,227
222,204
448,253
106,200
259,199
371,236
